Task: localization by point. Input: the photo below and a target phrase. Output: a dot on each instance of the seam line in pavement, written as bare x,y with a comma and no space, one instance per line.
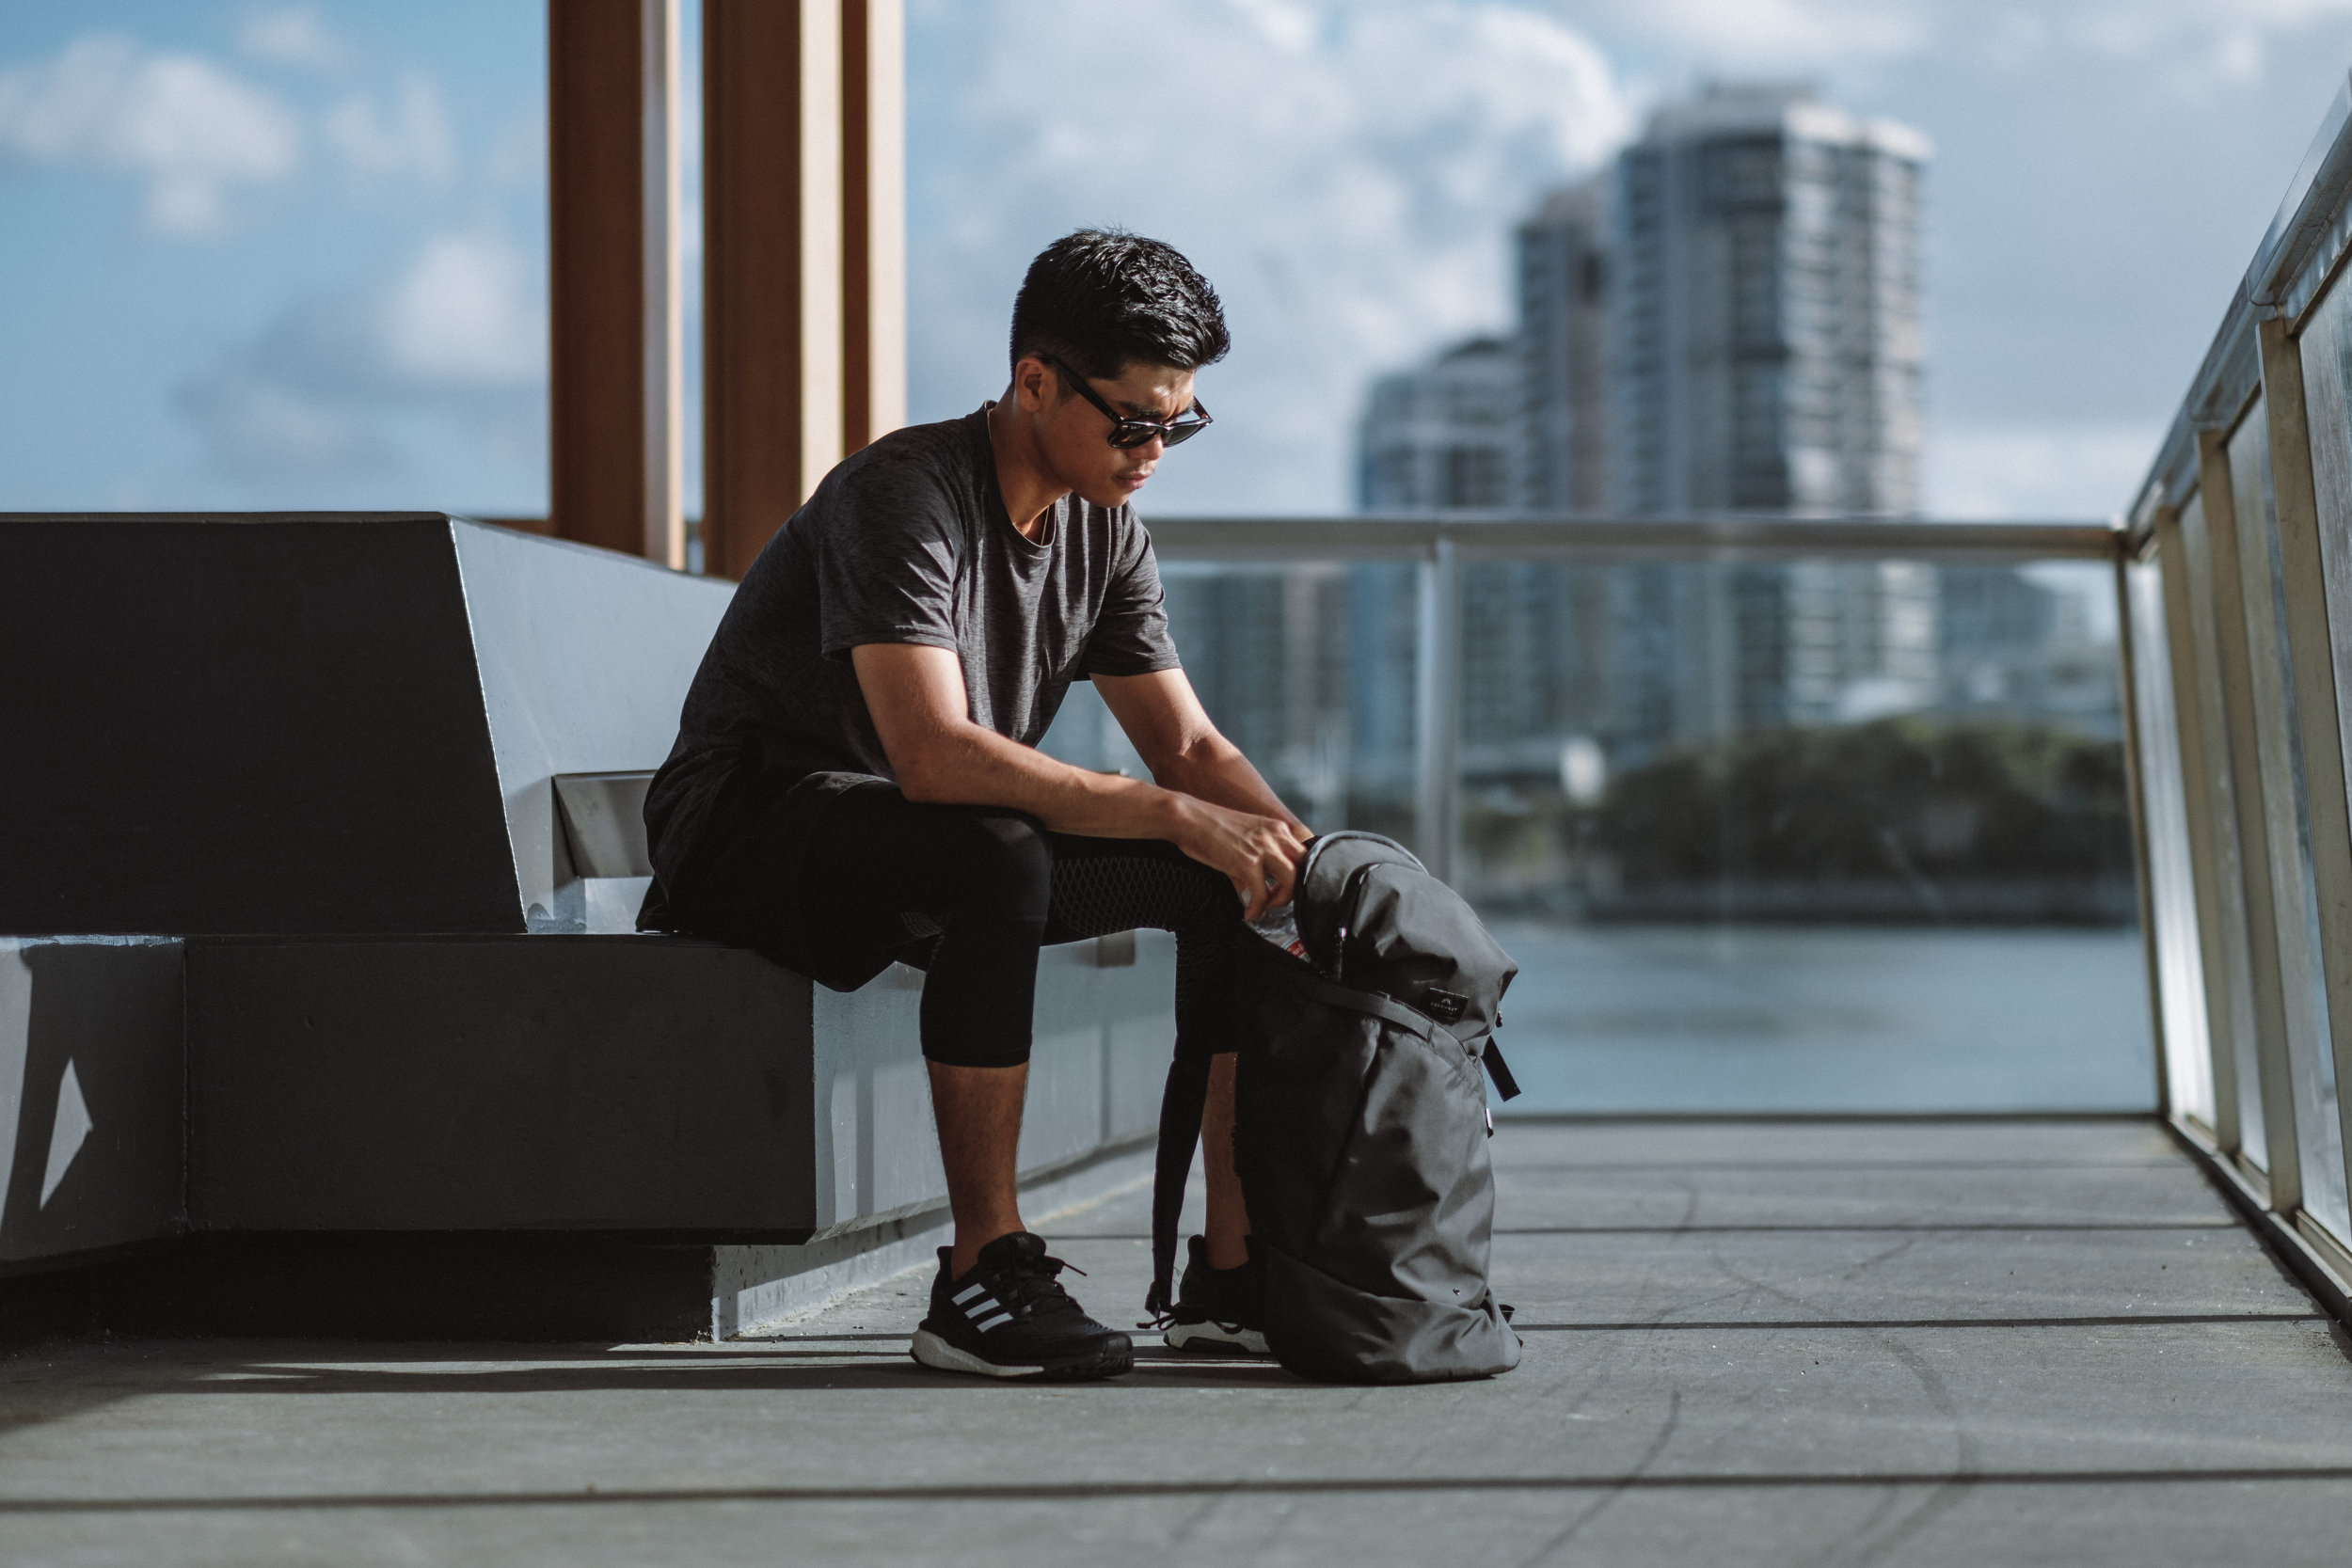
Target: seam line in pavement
1513,1167
1080,1490
2149,1320
2069,1227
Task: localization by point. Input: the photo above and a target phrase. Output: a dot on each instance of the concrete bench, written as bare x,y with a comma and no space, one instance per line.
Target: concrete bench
317,960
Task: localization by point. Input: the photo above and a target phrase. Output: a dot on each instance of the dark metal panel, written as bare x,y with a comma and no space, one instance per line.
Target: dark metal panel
618,1084
270,723
93,1109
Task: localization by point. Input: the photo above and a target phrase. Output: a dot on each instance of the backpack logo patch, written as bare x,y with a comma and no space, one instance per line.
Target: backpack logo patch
1445,1005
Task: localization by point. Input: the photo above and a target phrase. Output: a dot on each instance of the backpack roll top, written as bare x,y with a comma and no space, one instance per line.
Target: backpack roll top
1372,918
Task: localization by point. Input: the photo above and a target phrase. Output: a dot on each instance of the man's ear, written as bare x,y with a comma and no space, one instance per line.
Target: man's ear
1033,385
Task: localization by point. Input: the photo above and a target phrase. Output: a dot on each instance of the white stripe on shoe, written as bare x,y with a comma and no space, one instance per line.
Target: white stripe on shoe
999,1318
968,1293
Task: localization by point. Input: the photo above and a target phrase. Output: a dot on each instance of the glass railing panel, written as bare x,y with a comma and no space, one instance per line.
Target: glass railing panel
1814,834
2327,362
2178,941
1307,667
2311,1069
2198,565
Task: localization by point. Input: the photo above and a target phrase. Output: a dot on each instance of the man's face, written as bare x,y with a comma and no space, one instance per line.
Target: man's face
1075,438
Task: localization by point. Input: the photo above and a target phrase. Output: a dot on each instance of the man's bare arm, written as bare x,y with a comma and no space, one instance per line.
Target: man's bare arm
921,710
1172,732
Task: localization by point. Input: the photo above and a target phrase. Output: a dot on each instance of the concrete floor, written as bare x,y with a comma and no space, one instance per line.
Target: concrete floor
1991,1343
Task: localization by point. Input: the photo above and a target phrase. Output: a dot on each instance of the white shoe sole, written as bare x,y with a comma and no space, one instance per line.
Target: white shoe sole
932,1350
1217,1337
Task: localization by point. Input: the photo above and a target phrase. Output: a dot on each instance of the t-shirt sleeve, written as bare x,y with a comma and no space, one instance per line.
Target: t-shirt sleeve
886,560
1131,636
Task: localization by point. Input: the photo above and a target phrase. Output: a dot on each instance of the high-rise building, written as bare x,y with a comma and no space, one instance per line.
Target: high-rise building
1450,436
1764,354
1563,267
1445,437
1765,351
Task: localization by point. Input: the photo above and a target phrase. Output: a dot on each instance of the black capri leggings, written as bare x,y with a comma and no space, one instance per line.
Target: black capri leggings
989,887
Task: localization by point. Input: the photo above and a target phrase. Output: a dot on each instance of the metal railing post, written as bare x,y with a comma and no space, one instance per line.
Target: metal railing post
1437,710
2136,791
2248,671
2310,655
2211,860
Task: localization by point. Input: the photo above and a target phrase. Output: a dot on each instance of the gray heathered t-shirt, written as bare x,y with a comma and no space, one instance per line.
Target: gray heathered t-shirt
907,541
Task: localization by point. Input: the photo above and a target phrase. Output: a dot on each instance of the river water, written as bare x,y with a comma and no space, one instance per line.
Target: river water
1809,1018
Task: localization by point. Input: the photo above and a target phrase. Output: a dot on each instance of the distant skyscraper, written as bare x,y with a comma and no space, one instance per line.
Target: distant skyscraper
1764,355
1445,437
1766,348
1564,351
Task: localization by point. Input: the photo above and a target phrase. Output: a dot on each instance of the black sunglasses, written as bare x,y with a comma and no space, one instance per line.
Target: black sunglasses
1126,432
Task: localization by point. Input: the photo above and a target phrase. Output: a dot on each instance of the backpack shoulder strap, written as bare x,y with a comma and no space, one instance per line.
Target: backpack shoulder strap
1180,1106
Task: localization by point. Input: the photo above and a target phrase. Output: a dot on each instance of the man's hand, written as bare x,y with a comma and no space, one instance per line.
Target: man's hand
1259,854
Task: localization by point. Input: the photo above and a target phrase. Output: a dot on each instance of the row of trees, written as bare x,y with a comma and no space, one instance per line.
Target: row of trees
1902,818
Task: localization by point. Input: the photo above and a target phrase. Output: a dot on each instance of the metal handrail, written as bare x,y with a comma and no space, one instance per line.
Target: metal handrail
1517,536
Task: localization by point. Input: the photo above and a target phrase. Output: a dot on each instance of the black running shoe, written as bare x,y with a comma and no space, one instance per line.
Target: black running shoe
1220,1309
1009,1317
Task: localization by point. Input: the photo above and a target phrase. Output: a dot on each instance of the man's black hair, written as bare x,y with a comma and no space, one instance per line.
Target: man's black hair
1102,299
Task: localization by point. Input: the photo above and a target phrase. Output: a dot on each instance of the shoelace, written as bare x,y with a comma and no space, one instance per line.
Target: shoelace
1024,1287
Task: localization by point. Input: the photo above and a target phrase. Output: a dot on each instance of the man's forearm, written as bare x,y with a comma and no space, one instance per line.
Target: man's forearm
971,765
1219,773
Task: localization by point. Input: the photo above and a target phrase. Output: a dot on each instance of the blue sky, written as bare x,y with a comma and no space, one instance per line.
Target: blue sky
269,255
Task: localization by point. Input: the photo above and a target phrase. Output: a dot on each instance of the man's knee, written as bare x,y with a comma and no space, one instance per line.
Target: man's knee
1003,866
1208,895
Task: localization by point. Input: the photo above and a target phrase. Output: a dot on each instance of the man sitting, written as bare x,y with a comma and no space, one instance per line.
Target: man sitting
856,778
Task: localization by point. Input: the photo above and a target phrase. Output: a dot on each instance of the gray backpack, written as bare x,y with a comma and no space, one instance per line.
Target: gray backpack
1361,1125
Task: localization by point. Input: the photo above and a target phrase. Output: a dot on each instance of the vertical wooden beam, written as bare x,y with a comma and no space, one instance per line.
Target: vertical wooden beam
615,335
665,287
873,219
773,257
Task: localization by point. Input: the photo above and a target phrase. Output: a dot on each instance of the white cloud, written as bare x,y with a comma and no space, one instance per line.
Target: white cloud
466,315
459,334
2047,472
2198,43
1767,34
191,131
411,135
1347,174
294,36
